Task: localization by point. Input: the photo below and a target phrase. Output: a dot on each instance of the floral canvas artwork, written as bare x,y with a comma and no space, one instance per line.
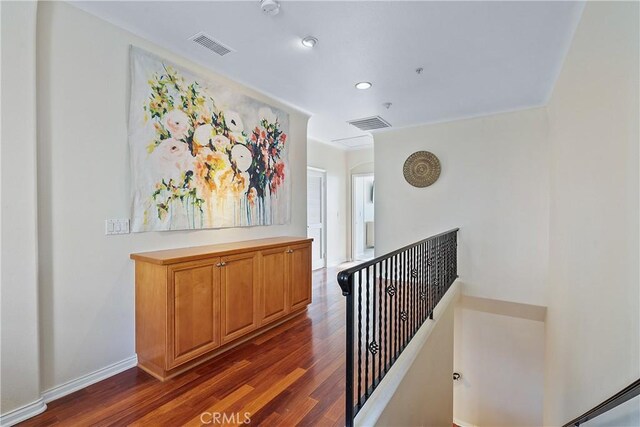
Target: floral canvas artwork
203,155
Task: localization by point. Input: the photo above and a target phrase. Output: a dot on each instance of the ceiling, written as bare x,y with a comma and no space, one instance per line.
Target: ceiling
478,57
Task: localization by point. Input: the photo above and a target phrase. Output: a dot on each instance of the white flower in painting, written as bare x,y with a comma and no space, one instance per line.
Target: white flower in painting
177,123
266,113
237,138
241,157
234,121
203,135
171,157
221,143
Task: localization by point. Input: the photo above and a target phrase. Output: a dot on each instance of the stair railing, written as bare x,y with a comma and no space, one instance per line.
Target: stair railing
627,393
388,300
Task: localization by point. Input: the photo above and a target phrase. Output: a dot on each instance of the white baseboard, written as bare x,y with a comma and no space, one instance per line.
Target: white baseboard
462,423
23,413
88,379
335,262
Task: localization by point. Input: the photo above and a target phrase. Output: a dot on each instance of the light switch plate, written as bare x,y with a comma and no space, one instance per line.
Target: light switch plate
116,226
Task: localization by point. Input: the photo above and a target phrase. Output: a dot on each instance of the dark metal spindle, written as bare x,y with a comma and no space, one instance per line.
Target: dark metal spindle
359,338
376,269
349,412
396,298
366,343
386,315
372,345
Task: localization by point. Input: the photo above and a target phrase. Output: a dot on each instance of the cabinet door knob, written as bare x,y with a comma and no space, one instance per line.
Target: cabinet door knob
221,264
290,251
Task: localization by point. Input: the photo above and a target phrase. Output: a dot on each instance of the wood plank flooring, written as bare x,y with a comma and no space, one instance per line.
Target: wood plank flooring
291,375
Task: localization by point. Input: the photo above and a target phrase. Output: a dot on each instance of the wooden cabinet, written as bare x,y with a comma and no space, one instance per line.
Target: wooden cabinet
194,303
274,290
300,274
239,281
194,295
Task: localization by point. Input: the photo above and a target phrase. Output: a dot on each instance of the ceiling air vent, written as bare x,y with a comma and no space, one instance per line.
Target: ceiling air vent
213,45
370,123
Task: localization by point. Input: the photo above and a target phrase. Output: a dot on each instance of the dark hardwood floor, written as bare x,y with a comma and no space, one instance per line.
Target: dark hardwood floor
291,375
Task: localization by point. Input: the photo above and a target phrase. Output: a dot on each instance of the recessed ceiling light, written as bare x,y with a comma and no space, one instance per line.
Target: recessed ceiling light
363,85
309,41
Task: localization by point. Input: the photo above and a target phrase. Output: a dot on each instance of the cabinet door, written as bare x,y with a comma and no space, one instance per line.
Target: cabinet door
300,270
274,289
194,311
239,295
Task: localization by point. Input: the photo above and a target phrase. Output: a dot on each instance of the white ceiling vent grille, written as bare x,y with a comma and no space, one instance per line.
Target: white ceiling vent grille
370,123
211,44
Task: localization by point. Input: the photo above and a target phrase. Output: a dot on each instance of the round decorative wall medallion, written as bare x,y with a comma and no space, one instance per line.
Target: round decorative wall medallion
421,169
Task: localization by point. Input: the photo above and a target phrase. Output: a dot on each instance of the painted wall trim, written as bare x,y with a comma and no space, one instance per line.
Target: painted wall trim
89,379
505,308
373,408
461,423
39,406
23,413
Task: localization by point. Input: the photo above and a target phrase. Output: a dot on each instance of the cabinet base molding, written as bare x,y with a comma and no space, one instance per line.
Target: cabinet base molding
166,375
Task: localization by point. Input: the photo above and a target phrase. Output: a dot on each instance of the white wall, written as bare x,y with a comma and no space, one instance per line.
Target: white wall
334,161
360,160
20,376
87,281
418,389
493,185
499,351
593,322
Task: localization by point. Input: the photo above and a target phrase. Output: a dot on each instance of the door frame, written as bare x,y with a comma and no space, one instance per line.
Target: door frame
353,210
323,249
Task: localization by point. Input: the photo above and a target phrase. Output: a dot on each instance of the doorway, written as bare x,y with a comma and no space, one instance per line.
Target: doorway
317,215
362,226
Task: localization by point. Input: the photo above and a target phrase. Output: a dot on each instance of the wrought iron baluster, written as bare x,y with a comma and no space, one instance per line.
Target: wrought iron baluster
455,248
403,315
359,338
397,298
439,265
419,297
414,307
376,270
372,346
366,343
423,294
349,400
406,291
390,309
383,341
405,322
431,278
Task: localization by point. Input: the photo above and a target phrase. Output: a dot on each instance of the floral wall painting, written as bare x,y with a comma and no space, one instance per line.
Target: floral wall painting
203,155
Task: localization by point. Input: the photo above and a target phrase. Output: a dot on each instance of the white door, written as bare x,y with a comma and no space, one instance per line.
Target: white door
316,218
